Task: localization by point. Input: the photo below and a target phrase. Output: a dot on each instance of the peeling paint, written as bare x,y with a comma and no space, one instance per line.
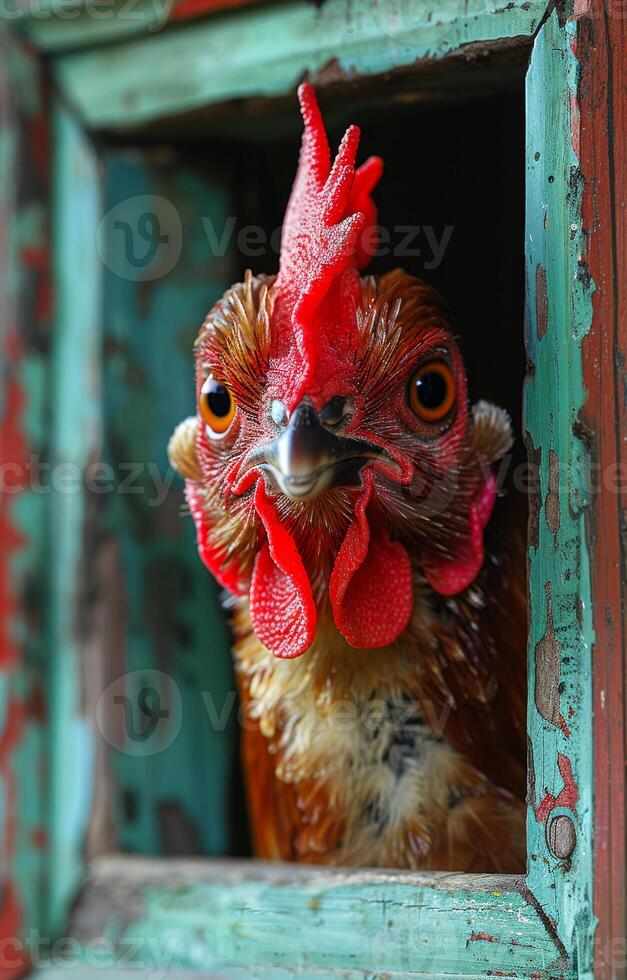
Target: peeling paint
248,914
566,798
14,452
542,305
561,631
552,502
122,85
534,457
24,307
547,671
562,836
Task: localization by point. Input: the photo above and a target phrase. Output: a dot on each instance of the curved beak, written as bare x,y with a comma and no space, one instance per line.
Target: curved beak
308,457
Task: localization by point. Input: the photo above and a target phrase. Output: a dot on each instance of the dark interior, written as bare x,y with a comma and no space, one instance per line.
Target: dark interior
457,168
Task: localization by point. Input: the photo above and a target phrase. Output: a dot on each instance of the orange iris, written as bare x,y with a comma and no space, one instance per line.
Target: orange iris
432,391
217,406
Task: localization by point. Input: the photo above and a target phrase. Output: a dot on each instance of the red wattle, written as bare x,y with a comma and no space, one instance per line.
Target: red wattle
449,576
226,569
282,607
371,588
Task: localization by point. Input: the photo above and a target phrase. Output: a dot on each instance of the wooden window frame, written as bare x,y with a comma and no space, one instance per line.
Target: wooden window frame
565,917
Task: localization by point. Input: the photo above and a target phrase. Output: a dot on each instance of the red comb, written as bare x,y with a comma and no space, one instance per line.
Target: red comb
325,239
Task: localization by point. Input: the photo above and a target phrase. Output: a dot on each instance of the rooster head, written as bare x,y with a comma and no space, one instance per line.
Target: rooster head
334,466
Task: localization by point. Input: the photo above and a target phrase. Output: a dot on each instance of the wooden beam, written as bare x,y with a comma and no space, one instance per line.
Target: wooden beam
68,25
274,920
25,311
75,442
267,51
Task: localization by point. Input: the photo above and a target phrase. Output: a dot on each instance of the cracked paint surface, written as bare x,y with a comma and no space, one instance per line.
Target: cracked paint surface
559,312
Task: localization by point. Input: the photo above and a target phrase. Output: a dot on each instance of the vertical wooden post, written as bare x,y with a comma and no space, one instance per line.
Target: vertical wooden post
561,636
576,343
75,441
602,53
24,396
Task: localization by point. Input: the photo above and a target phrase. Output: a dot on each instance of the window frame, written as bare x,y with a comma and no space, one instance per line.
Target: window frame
576,653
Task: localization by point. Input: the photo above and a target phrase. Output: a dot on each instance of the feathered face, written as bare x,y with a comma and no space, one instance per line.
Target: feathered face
332,461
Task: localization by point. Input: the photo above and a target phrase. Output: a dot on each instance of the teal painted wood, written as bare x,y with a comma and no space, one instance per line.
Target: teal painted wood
75,441
24,331
173,793
120,973
268,50
354,928
272,920
64,26
561,627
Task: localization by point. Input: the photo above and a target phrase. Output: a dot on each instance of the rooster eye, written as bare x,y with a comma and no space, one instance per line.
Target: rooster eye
217,407
432,391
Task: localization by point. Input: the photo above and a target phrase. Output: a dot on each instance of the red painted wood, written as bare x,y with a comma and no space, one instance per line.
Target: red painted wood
567,797
25,300
13,449
602,54
14,961
12,452
187,9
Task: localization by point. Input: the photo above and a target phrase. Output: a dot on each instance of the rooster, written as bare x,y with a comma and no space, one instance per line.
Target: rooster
342,490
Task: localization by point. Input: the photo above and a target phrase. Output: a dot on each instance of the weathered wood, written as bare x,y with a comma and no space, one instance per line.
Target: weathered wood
601,51
561,628
75,435
63,25
267,52
59,26
25,311
273,920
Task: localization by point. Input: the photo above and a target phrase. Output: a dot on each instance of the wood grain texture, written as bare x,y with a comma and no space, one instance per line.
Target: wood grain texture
561,627
275,920
69,26
75,438
64,27
601,53
25,310
270,49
